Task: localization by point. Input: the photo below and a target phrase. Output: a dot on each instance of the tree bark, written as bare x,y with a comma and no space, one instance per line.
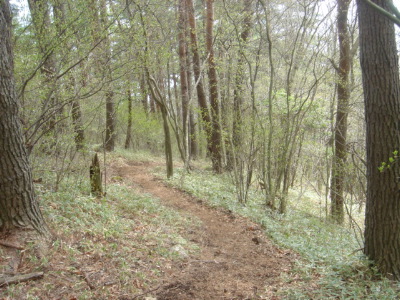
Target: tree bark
76,112
18,205
239,81
216,146
110,105
193,144
380,72
40,13
110,121
157,96
183,77
103,61
77,122
96,186
201,96
144,94
343,92
128,140
193,135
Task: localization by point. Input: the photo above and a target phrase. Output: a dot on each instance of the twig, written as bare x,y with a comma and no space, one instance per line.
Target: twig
20,278
108,283
90,285
206,261
145,293
355,251
10,245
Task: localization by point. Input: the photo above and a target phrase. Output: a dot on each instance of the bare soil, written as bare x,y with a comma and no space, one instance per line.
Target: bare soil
236,260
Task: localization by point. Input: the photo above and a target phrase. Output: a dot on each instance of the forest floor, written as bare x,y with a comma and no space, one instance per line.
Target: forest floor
236,260
101,251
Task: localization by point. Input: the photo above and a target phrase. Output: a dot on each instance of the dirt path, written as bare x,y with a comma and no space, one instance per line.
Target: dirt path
236,260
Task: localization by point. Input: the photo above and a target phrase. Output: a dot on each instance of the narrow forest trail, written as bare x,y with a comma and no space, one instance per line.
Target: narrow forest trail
236,260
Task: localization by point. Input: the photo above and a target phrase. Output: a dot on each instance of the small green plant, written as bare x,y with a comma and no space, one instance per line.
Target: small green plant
392,160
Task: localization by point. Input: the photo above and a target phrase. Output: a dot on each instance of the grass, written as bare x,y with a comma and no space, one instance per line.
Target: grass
332,265
107,248
115,247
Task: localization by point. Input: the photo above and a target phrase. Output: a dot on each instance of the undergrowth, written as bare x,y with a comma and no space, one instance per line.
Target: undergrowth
103,248
332,265
116,246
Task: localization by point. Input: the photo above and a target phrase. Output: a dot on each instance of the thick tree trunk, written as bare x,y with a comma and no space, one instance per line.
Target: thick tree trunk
343,92
379,63
18,205
216,145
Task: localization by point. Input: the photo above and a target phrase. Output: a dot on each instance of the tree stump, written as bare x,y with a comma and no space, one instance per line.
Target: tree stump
95,177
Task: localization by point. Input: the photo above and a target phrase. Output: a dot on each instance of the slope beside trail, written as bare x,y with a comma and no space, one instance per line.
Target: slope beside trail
236,260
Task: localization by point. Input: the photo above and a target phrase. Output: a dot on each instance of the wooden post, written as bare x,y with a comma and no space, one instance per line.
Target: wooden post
95,177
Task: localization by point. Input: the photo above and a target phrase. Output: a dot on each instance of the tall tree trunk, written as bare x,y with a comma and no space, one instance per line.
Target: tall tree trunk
157,96
267,165
193,144
18,205
380,70
40,13
110,105
176,95
144,94
153,106
201,96
76,112
103,61
343,92
193,135
239,81
128,140
216,153
183,77
110,121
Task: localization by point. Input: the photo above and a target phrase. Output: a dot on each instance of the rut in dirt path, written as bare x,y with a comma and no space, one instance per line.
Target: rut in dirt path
236,260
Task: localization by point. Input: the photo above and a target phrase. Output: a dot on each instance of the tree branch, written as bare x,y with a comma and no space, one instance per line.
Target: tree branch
20,278
394,9
384,12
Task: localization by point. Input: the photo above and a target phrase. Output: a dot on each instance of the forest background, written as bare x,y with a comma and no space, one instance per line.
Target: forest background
269,92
